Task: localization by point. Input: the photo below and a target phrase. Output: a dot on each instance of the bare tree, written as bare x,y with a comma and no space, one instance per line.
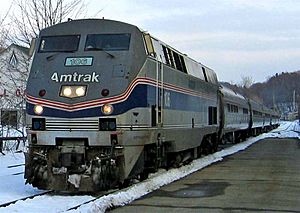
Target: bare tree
2,37
3,28
28,18
247,81
31,16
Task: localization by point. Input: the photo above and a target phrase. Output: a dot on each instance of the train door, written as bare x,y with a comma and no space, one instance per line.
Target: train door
221,115
159,93
157,109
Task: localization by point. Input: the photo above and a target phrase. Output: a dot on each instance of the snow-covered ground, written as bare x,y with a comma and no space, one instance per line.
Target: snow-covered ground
12,132
12,187
5,132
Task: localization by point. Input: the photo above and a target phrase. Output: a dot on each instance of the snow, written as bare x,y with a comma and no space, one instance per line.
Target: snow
5,132
12,186
12,132
75,180
47,203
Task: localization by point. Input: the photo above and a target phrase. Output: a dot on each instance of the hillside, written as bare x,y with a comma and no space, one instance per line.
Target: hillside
278,89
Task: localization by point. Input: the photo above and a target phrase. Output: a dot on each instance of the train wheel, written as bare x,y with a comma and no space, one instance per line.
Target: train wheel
209,145
206,146
143,176
124,184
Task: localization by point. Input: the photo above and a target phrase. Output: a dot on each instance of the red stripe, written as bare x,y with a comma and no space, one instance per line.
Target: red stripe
111,100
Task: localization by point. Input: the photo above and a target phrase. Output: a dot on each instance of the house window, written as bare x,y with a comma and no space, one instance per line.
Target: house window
9,118
13,60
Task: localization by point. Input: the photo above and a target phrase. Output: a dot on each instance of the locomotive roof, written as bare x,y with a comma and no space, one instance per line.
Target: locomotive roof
111,26
88,25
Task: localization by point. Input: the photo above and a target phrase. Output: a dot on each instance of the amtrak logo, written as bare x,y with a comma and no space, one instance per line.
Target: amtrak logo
75,77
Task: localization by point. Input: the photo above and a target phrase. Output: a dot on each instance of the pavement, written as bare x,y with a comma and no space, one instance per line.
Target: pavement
263,178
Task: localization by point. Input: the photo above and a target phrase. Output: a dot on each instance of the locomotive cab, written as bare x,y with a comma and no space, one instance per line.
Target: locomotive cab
80,72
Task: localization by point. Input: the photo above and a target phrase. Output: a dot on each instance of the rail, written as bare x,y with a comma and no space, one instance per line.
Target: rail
18,139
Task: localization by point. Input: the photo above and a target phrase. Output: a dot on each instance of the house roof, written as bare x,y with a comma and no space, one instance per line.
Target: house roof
21,48
25,50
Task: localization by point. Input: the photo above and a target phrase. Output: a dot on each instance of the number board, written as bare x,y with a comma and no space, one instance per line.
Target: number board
79,61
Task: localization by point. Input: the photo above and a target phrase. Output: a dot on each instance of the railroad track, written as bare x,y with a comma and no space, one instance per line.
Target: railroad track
18,173
53,194
293,129
24,198
12,174
92,200
16,165
287,128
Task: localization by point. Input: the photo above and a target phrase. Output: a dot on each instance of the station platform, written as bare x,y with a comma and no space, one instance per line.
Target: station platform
263,178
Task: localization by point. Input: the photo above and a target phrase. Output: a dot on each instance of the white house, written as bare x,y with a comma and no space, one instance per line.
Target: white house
14,62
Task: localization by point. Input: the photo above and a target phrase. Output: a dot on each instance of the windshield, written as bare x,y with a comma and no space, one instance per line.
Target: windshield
59,43
111,42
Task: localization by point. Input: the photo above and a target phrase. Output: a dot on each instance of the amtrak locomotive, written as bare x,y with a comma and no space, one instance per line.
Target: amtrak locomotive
107,102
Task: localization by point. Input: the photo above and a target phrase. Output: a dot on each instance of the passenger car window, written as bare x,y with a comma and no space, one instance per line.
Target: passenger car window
111,42
68,43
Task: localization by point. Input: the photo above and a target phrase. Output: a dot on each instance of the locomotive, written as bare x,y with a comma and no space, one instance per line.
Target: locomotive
107,102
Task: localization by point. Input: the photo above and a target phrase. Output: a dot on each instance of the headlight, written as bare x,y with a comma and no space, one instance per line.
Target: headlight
73,91
67,91
107,109
80,91
38,109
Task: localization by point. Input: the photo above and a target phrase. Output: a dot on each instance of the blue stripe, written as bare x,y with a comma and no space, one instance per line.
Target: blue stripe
181,101
136,99
142,96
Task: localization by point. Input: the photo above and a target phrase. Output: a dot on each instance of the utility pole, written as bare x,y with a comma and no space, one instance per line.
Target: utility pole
298,99
294,101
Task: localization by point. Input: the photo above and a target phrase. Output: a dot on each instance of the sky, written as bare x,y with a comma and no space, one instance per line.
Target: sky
236,38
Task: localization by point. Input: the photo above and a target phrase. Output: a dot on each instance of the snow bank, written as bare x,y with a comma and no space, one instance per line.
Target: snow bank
287,129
